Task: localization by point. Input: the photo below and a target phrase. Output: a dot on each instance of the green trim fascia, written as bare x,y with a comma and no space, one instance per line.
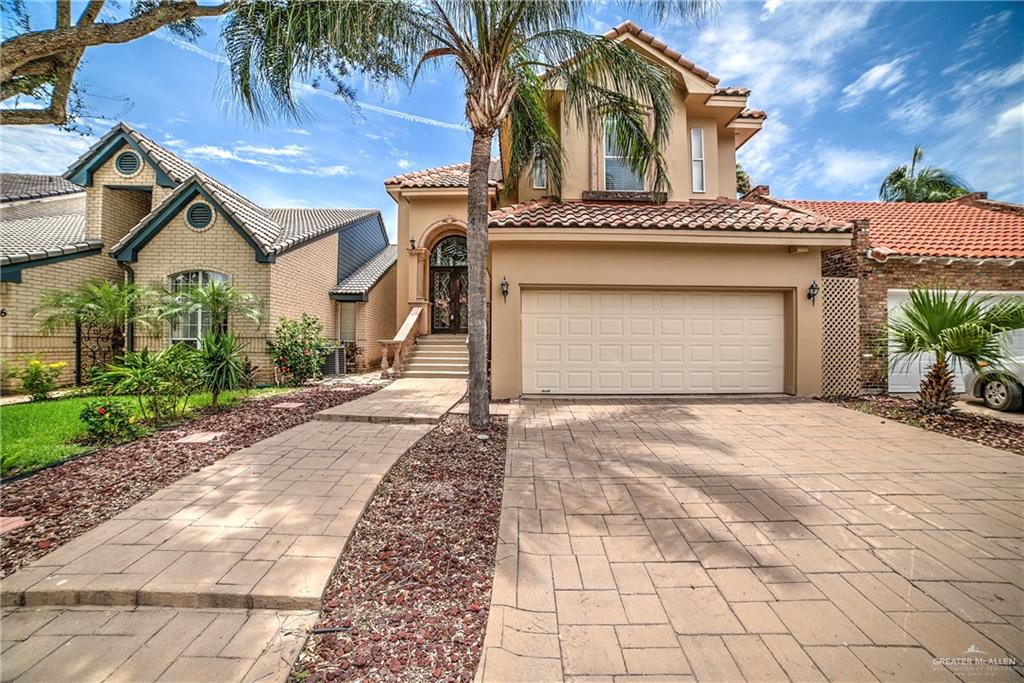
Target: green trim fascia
356,298
129,253
81,173
12,273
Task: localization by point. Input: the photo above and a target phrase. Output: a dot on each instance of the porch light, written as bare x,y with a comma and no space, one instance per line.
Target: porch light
504,289
412,243
812,291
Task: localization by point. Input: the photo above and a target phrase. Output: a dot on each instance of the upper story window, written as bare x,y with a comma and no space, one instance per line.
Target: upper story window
617,173
190,327
128,163
697,158
540,174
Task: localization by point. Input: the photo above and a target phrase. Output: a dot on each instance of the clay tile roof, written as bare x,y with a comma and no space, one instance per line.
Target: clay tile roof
716,214
752,114
370,273
954,229
732,90
645,37
18,186
454,175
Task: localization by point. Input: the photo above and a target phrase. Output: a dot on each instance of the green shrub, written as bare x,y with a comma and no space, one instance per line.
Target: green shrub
224,365
110,422
299,348
38,379
161,382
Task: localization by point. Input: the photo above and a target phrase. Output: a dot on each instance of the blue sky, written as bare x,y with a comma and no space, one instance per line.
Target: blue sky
849,89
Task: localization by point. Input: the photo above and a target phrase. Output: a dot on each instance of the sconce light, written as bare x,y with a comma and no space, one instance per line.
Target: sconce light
504,289
412,243
812,291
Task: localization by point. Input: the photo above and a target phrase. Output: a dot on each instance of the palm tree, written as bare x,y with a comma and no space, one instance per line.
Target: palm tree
101,308
218,299
927,184
510,55
951,326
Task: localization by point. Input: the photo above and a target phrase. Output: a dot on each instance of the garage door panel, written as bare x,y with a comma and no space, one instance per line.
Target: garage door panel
652,342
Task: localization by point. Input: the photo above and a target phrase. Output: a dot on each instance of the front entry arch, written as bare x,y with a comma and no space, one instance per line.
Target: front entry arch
449,280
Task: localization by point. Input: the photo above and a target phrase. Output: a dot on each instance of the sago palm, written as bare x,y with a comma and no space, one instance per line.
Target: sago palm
928,184
952,327
511,56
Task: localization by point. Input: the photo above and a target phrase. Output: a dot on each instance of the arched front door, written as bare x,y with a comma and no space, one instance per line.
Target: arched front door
449,285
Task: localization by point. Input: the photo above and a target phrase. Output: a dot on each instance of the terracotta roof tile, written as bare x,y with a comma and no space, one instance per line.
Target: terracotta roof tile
945,229
752,114
733,90
454,175
717,214
674,56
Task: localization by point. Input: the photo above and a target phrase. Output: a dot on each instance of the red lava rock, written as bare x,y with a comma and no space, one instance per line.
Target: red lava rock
66,501
415,580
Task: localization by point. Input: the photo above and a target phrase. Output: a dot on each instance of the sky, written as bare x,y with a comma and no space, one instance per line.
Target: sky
849,89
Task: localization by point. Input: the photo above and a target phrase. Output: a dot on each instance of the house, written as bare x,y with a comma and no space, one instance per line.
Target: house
606,292
970,243
130,209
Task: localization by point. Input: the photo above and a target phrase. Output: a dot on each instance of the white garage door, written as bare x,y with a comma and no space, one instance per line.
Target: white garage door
643,342
905,377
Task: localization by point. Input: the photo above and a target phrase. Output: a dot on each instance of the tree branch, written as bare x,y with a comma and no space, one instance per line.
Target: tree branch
92,11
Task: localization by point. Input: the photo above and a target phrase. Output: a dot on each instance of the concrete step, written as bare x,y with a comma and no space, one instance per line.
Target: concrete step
441,340
436,374
438,366
438,358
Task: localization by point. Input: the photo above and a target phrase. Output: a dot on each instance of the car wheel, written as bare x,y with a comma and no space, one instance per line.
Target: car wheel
1002,395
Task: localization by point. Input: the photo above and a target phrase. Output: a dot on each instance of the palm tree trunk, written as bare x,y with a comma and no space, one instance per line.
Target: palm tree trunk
476,242
936,395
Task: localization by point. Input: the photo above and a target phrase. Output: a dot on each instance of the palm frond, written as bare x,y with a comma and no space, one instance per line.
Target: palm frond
532,135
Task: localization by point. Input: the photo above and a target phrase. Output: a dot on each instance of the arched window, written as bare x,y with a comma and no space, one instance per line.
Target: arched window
190,327
451,251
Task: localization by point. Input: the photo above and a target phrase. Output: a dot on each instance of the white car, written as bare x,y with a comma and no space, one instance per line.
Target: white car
1002,391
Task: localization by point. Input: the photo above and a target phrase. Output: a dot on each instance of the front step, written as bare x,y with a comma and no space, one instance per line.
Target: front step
435,374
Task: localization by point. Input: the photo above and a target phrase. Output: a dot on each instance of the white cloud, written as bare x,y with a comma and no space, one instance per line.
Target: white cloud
223,154
880,77
985,30
298,131
836,170
286,151
770,6
41,149
404,164
1009,120
915,114
1004,77
767,154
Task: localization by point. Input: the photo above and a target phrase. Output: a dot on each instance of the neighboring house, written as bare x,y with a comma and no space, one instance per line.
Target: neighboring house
970,243
609,293
148,216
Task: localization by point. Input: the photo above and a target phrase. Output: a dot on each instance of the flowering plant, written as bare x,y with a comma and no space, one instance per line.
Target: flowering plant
38,379
110,422
299,348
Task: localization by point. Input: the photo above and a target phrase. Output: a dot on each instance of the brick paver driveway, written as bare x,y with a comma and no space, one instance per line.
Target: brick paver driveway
752,539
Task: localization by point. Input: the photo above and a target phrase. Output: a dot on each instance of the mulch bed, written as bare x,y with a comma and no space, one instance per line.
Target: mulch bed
410,596
988,431
63,502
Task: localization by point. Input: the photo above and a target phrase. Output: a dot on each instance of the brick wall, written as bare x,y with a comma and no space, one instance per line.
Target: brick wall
876,279
301,280
110,212
376,320
178,248
19,329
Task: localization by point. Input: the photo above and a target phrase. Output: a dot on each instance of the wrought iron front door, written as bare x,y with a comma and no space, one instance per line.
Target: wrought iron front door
450,308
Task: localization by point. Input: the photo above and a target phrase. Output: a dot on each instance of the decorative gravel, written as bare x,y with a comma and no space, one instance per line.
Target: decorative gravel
409,598
63,502
988,431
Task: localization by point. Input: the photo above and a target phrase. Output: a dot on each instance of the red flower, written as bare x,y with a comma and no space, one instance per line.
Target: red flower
305,352
281,359
101,410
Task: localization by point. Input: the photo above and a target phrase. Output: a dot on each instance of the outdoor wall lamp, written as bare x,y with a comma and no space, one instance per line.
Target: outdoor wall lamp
504,288
812,291
412,243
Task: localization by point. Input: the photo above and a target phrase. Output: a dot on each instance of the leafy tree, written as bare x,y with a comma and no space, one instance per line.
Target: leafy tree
958,327
511,56
926,184
41,64
743,182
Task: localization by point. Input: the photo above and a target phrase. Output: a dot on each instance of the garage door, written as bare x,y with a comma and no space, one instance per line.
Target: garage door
905,377
641,342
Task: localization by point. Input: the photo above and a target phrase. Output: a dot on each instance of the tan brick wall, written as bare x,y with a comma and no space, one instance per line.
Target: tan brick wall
376,320
177,248
110,213
19,329
301,280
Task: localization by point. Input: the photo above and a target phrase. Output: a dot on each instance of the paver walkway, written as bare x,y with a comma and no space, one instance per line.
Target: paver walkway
259,531
758,539
406,400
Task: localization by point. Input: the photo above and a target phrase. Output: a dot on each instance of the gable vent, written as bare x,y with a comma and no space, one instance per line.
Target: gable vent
199,216
127,163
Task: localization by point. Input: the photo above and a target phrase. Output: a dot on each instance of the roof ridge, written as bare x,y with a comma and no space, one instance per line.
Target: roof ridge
630,27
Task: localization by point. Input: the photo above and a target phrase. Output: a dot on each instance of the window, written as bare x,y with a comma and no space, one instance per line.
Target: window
697,158
540,174
190,327
617,173
451,251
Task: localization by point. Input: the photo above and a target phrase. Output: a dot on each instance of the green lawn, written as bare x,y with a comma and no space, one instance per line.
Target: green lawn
36,434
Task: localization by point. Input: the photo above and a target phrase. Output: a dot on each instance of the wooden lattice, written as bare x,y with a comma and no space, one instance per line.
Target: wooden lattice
840,347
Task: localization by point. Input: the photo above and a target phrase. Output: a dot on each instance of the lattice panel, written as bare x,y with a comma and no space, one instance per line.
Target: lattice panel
840,347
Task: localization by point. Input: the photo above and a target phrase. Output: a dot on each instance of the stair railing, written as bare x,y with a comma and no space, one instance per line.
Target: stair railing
394,352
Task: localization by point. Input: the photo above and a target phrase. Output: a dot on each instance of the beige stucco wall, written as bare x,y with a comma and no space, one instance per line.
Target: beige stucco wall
621,264
177,248
19,329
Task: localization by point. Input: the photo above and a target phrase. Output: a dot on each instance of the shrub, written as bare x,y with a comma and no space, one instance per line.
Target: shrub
299,348
38,379
224,365
161,382
110,422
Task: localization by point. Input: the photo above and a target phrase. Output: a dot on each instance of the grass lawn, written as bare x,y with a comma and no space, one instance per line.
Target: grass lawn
36,434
